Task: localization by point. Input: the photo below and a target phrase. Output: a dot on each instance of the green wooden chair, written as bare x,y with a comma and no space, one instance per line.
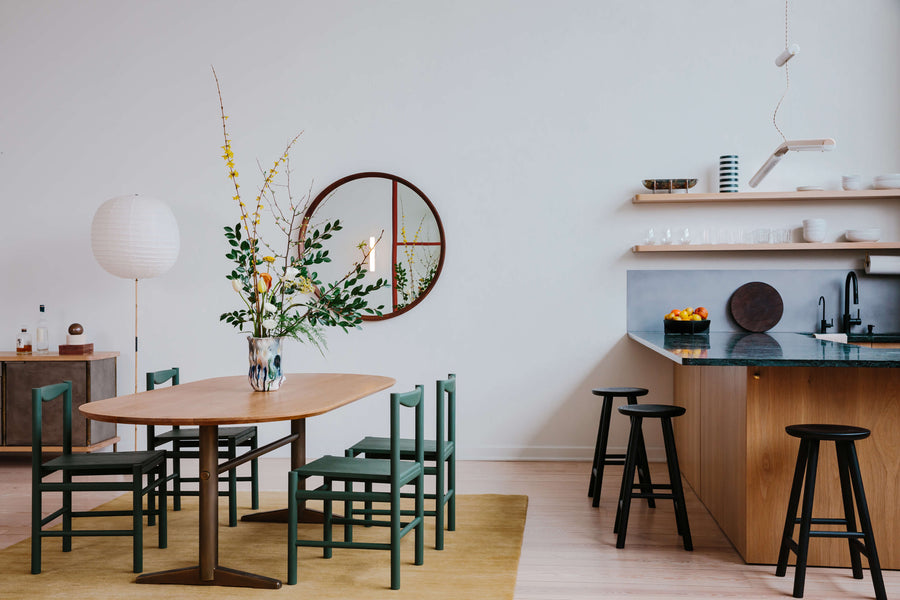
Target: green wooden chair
440,452
392,472
186,444
136,464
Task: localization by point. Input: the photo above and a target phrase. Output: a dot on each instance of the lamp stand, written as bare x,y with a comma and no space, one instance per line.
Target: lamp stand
135,352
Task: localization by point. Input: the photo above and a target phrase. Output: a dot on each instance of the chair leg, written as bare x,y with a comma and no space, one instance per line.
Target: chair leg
627,482
67,515
451,489
368,503
866,523
232,486
163,506
793,502
292,528
681,517
849,513
328,523
600,451
395,537
151,501
348,513
176,469
137,521
420,515
254,477
440,467
806,518
36,517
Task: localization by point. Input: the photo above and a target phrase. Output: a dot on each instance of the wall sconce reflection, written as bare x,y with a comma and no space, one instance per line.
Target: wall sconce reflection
371,253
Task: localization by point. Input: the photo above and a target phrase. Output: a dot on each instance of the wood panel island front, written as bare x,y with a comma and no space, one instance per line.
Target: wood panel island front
741,390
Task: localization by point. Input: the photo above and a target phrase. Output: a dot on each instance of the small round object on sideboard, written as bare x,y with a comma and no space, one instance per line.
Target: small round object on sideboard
76,329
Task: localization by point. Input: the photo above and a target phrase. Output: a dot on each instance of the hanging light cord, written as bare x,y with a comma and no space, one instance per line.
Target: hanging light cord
787,75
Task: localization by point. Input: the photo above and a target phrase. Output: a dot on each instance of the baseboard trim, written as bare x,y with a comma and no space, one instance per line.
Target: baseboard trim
548,453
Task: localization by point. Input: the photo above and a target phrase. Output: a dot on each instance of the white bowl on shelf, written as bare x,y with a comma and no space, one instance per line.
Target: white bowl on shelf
814,230
870,234
887,182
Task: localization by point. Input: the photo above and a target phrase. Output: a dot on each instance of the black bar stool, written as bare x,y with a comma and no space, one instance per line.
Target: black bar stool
843,437
602,458
663,412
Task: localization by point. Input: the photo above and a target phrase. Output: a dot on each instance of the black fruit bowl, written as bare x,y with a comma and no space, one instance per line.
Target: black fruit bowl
686,326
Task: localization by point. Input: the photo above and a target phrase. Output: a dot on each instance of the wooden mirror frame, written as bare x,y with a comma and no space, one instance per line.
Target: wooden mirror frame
323,195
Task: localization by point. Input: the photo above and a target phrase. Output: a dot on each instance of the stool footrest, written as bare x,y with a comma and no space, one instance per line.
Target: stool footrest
653,486
654,496
823,521
837,534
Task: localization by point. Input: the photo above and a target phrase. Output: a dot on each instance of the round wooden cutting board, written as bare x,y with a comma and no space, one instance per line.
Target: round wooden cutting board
756,306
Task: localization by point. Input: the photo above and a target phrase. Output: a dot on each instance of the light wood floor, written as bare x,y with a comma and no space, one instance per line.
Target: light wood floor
569,549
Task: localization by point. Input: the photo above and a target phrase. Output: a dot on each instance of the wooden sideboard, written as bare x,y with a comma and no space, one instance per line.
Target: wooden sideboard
93,377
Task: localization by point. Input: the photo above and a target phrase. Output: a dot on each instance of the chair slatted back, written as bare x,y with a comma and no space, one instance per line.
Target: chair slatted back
154,379
38,397
412,399
158,377
445,421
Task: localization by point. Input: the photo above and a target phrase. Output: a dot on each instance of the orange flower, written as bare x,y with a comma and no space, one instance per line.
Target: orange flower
268,279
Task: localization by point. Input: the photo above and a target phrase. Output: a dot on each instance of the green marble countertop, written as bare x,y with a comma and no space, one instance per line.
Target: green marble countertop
763,350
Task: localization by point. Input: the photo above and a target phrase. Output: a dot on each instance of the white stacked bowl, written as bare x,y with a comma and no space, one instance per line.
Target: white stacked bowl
814,230
851,182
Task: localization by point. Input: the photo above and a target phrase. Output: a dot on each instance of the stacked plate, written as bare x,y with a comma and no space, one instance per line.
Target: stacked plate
887,182
728,173
863,235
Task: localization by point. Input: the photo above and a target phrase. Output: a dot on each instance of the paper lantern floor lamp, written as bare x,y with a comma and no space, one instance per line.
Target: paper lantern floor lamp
135,237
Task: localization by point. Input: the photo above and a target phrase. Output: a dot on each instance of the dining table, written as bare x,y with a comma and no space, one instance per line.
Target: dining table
209,403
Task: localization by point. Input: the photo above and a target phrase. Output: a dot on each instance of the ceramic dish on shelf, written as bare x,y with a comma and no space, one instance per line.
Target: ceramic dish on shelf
887,182
668,185
863,235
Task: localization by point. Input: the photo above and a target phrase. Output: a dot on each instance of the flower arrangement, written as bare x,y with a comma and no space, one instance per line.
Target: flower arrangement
281,291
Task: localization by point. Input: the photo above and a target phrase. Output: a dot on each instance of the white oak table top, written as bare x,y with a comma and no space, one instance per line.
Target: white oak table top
230,400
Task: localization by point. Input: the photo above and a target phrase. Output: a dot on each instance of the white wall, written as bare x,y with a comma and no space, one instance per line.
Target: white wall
529,125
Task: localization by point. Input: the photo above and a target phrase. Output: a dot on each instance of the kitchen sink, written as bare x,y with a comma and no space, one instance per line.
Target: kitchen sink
873,337
858,338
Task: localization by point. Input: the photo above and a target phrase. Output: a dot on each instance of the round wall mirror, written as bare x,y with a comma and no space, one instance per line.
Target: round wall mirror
401,222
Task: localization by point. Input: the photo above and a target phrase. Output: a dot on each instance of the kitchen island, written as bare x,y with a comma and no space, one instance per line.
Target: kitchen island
741,390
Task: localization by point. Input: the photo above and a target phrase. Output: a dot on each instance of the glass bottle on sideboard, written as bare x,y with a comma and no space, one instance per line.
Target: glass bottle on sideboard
41,335
23,342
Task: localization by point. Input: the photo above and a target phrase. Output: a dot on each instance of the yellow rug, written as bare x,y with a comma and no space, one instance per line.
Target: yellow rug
479,559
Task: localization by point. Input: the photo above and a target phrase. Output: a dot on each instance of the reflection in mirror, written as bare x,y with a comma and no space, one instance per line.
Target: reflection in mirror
395,216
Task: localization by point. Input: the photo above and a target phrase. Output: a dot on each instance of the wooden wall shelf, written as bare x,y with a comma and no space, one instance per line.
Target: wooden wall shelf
803,246
682,198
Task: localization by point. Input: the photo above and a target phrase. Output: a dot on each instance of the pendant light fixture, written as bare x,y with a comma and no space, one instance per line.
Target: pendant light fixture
821,145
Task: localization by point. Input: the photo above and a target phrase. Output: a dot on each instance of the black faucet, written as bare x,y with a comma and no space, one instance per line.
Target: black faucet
824,325
846,319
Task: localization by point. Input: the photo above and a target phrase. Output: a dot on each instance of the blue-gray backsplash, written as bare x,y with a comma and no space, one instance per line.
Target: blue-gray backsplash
651,294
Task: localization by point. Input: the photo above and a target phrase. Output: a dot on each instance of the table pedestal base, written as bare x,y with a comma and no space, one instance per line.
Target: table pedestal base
221,576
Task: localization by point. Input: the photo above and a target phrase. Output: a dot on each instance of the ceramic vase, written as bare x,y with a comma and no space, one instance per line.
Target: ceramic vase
265,373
